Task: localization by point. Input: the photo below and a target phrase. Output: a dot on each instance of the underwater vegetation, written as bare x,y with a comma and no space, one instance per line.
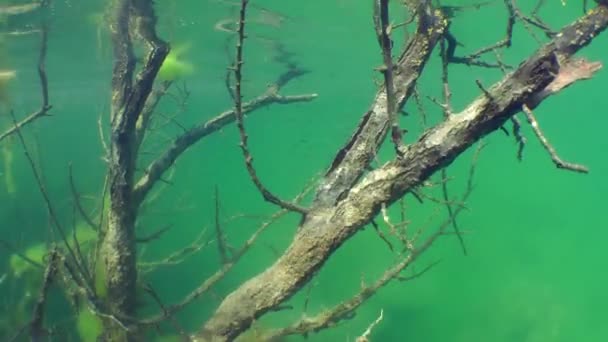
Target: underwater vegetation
22,264
175,66
25,275
5,77
89,326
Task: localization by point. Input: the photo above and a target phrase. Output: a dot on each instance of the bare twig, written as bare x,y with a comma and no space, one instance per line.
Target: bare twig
215,278
154,171
514,14
519,138
398,230
447,94
221,273
505,42
383,31
24,122
448,205
78,203
51,210
178,256
365,336
148,288
381,235
237,68
147,111
219,233
154,236
45,107
561,164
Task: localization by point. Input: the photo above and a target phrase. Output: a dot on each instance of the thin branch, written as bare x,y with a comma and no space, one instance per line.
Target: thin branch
160,165
383,31
381,235
346,309
24,122
216,277
561,164
447,94
177,257
49,206
514,14
148,288
219,233
148,109
365,336
448,205
154,236
399,230
519,138
506,41
221,273
44,107
78,203
44,32
238,65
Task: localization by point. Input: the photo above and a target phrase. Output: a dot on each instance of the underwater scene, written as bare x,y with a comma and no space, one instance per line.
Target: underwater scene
272,170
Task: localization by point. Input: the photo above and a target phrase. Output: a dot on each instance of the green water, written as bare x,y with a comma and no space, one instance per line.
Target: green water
536,235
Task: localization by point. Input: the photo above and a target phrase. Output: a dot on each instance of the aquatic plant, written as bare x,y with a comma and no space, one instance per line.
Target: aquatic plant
89,326
31,259
5,77
174,66
21,265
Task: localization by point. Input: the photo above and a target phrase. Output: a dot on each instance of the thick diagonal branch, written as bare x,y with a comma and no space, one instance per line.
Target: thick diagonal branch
326,228
352,160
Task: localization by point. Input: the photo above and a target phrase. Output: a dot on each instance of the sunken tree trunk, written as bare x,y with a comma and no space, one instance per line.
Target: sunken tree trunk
131,18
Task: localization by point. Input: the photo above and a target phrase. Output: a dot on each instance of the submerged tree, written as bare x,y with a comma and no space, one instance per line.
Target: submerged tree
350,194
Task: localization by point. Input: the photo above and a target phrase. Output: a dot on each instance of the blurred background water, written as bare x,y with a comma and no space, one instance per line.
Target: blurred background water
536,235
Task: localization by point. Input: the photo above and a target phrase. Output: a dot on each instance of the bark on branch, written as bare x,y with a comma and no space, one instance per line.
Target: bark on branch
132,18
342,208
352,160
